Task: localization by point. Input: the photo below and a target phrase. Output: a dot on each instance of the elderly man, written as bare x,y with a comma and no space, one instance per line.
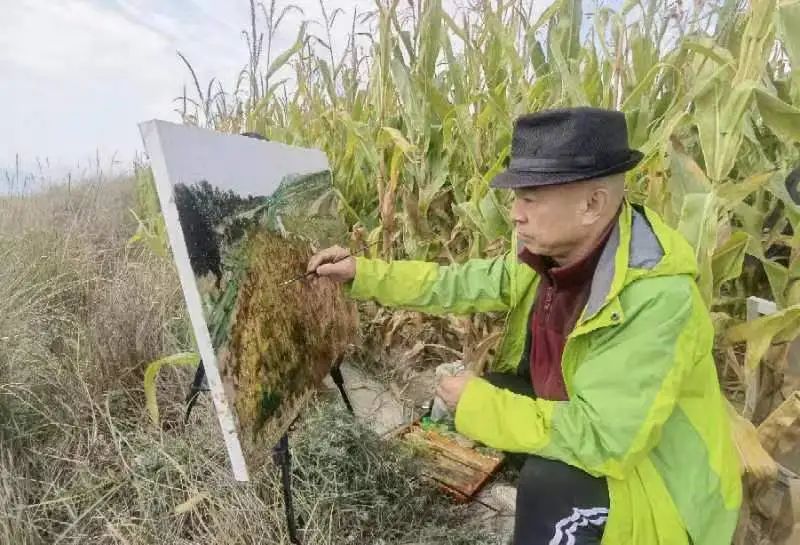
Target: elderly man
604,379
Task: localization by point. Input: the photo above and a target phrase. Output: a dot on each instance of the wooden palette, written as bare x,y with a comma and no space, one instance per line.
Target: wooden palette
457,469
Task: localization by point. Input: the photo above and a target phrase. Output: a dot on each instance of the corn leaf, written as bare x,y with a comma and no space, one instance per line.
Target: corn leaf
760,333
151,373
711,49
727,261
719,116
494,219
755,460
778,277
399,140
698,223
687,177
788,25
783,119
732,193
281,60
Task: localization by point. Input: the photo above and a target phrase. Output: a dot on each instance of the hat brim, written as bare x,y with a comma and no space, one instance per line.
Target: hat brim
512,179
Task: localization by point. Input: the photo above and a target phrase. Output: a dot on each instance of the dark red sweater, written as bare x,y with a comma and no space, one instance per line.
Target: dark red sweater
560,298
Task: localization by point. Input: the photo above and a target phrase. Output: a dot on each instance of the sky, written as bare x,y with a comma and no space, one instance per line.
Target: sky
79,75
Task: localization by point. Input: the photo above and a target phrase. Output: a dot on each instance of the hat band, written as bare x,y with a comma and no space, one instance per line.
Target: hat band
569,163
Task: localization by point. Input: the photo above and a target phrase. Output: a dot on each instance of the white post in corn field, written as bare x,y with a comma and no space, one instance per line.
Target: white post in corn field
756,307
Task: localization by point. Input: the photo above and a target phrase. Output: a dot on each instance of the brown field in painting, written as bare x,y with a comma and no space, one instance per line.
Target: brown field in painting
283,338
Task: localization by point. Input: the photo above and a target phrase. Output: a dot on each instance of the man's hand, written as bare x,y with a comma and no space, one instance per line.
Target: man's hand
451,388
322,263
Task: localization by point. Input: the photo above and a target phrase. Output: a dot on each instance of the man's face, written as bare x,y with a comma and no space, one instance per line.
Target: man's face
550,220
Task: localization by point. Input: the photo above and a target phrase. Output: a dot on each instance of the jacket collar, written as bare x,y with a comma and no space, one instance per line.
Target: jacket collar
633,244
640,244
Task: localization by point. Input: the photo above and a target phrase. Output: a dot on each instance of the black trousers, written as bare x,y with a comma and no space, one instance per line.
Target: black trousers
556,503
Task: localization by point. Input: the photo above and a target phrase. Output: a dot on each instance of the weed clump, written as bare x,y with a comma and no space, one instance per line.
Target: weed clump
355,486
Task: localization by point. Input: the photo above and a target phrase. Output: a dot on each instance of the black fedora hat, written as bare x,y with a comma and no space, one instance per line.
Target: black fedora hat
567,145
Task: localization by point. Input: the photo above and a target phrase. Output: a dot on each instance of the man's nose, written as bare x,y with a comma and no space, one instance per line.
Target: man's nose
516,213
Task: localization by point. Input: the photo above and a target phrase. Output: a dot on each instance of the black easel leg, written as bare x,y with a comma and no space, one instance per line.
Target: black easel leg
338,380
199,384
283,458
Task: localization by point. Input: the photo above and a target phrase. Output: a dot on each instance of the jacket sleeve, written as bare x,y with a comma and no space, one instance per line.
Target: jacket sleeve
623,391
478,285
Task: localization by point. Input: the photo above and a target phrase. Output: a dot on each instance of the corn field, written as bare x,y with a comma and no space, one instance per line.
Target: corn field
416,114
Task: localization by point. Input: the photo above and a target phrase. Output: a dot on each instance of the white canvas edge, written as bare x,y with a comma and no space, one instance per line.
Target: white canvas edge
164,186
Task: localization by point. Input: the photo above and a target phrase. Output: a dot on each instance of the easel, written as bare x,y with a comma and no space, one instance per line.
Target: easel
281,454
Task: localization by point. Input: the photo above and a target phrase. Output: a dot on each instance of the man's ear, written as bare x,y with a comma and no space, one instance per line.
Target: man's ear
598,199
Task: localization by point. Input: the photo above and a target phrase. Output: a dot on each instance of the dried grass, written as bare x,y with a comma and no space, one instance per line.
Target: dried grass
80,463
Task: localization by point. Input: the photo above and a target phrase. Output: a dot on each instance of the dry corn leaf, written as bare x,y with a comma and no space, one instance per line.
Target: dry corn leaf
794,494
755,461
779,431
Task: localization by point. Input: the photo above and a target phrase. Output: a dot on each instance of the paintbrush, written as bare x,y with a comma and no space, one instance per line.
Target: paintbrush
309,273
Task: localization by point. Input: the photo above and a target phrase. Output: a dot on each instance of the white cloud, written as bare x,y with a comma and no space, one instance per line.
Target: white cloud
83,73
78,75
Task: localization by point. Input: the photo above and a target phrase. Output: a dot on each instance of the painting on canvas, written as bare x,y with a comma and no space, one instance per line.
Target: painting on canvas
243,216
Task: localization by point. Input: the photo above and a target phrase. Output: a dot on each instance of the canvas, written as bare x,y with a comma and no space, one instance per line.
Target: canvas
243,216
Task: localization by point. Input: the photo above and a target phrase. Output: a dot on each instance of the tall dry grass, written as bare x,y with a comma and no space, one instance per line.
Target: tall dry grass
81,314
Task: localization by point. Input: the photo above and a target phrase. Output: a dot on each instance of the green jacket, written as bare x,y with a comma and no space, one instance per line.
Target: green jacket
645,408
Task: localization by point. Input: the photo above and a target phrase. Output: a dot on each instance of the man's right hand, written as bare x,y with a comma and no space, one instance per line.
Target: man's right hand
322,263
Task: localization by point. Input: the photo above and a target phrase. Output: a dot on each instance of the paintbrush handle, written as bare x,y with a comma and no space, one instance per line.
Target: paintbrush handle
342,258
359,250
337,260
